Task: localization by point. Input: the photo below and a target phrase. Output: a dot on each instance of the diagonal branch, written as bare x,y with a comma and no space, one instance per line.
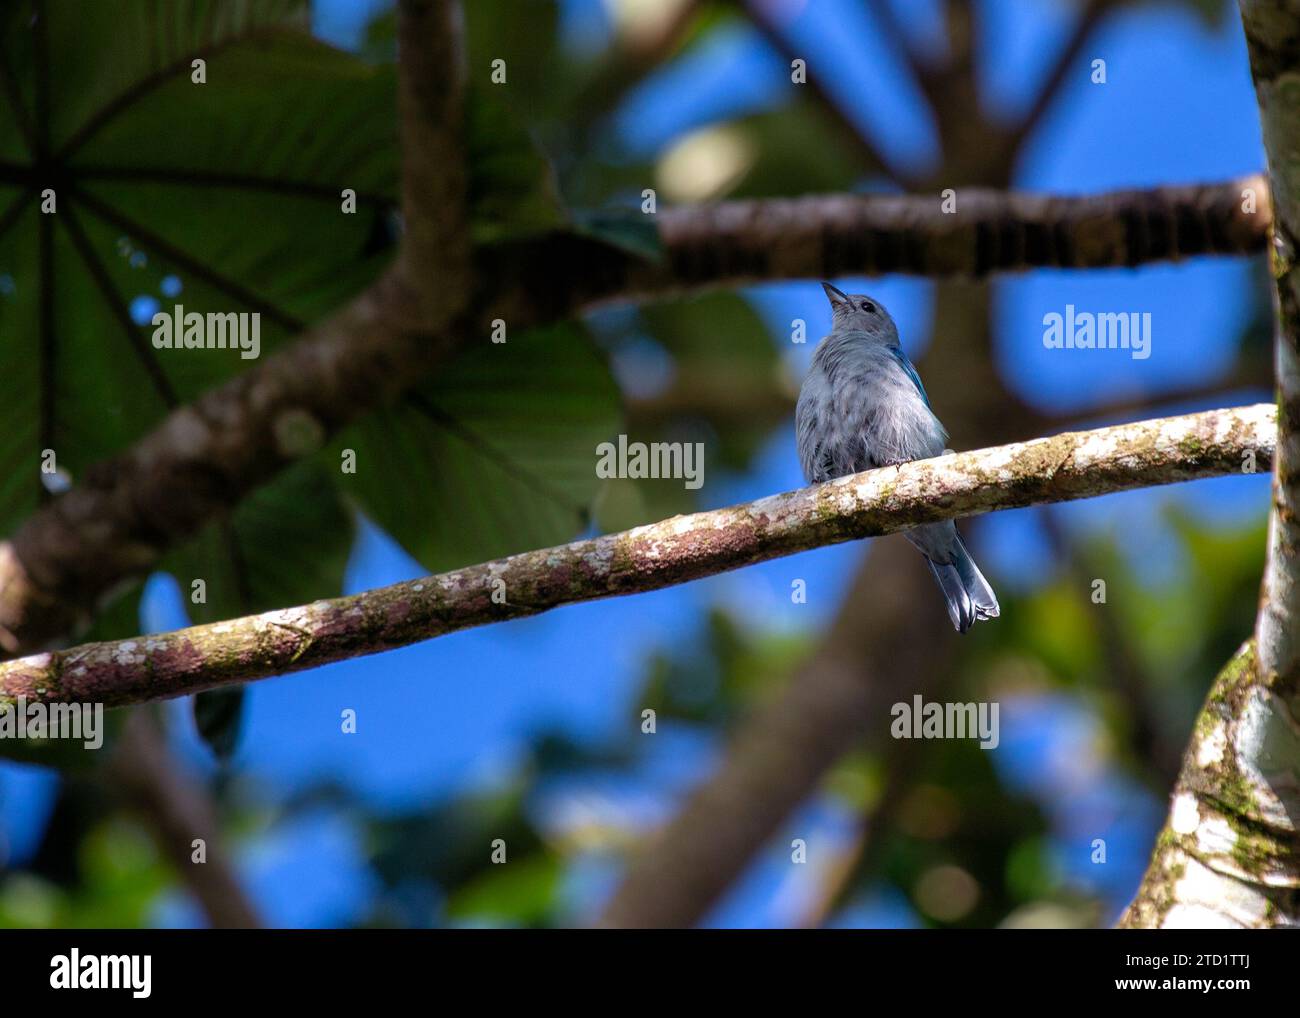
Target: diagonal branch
1061,468
205,457
125,513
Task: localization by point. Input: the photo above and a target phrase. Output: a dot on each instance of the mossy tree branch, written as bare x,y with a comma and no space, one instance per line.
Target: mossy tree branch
1060,468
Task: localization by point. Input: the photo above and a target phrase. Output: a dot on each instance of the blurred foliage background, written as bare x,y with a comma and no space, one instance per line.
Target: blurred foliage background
531,733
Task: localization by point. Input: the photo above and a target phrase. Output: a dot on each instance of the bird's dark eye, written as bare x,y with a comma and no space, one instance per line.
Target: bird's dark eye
868,307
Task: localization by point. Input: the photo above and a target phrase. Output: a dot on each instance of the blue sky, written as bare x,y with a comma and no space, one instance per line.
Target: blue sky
456,713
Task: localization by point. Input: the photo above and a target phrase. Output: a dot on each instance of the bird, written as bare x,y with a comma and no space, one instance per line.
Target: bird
861,406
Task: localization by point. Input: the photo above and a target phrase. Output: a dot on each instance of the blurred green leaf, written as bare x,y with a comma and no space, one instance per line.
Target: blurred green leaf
518,893
798,151
630,231
450,844
120,878
512,190
497,454
522,35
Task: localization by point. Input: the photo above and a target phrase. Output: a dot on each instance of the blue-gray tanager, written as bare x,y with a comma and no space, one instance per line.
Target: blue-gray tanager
863,406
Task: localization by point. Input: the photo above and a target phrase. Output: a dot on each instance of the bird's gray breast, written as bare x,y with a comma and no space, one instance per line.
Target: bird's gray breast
858,409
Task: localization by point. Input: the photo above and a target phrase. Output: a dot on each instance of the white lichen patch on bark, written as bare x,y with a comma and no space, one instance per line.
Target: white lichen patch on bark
128,653
1185,815
1214,836
1206,900
1209,751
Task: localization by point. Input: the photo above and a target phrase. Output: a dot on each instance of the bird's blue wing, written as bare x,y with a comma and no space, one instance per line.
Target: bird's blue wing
910,371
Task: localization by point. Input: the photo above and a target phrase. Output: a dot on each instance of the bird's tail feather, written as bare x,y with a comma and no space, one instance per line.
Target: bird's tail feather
969,596
960,609
977,588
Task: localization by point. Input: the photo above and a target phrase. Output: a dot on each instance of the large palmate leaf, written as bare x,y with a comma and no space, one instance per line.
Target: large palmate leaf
223,196
495,455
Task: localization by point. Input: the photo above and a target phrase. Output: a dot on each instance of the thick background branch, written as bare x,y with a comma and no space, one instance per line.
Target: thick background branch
1061,468
823,236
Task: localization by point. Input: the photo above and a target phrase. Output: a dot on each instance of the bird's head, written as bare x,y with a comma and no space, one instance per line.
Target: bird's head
856,312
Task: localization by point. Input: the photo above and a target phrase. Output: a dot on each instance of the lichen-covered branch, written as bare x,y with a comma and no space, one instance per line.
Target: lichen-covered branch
1059,468
1229,854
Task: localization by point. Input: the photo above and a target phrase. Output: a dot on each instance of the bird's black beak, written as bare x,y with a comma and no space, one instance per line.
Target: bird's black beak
834,295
